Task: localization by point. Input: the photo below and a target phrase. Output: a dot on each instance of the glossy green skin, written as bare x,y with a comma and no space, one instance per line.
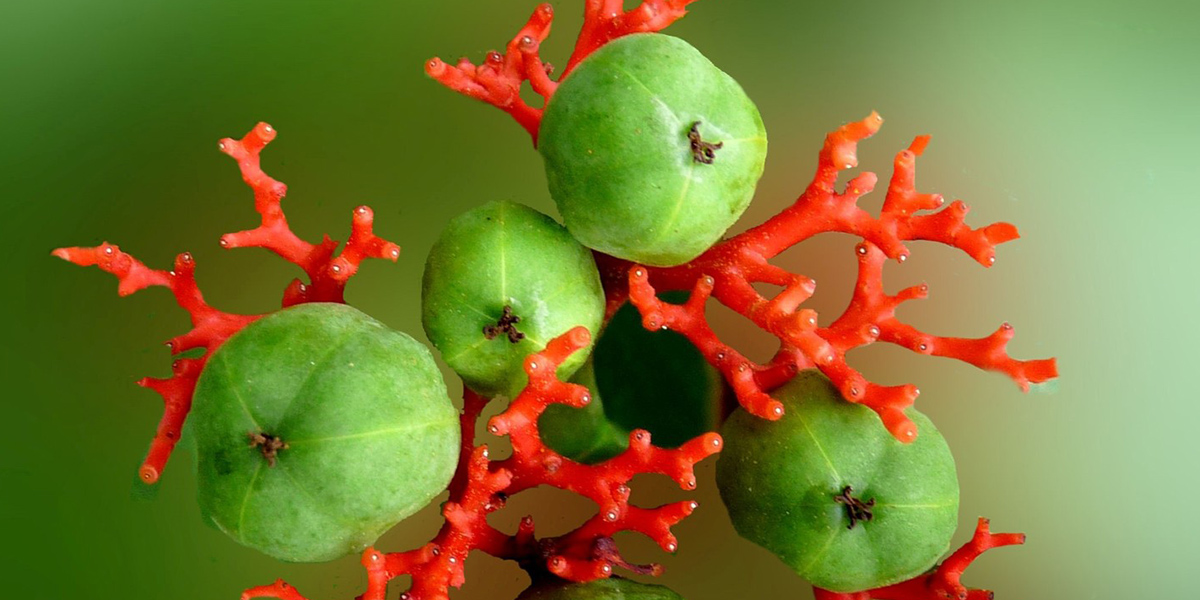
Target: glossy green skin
618,160
499,254
779,479
372,435
640,379
613,588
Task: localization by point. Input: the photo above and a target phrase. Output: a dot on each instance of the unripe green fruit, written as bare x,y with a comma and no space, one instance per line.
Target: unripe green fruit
499,255
802,488
626,175
639,379
317,429
613,588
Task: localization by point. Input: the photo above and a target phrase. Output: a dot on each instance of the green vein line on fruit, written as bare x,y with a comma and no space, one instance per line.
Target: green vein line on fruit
653,96
503,255
820,553
314,501
246,501
238,396
365,434
333,349
683,194
820,448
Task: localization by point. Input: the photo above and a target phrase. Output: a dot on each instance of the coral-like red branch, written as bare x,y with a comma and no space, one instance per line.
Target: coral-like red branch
499,78
943,582
211,327
728,270
482,486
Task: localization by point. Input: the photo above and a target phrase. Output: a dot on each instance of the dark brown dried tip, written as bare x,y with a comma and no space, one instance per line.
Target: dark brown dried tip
506,325
702,151
268,444
856,509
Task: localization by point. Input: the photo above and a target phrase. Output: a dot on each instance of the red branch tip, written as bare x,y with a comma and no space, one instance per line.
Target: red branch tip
728,270
211,327
499,78
482,486
943,582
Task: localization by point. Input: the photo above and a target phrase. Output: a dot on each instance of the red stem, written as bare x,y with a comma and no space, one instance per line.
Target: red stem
944,581
211,327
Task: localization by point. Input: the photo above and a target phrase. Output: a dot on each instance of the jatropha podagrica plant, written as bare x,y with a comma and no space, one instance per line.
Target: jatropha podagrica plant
725,271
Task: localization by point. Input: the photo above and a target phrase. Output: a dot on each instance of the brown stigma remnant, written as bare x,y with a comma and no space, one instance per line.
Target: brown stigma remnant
507,325
856,509
268,444
702,151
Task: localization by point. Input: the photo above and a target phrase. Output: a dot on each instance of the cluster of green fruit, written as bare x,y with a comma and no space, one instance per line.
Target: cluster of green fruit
318,428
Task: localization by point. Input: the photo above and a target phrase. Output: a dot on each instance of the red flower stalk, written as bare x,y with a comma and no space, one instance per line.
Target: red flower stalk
727,270
942,583
211,327
481,487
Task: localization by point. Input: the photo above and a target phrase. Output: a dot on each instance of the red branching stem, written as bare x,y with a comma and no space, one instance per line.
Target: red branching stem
327,274
482,486
944,581
499,78
728,270
211,327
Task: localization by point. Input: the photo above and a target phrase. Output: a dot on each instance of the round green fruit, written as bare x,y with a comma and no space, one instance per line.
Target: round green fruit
639,379
613,588
651,151
317,429
500,283
830,492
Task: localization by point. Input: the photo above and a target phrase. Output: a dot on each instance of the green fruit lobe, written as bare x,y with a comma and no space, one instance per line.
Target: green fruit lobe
318,428
506,255
785,485
629,142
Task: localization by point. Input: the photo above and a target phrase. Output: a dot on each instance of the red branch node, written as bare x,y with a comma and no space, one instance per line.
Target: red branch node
482,486
942,583
211,327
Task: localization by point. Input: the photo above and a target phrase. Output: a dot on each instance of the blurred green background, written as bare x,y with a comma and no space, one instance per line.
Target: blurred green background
1077,121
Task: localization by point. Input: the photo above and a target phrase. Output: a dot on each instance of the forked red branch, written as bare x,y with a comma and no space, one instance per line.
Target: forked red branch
728,271
942,583
211,327
481,486
499,78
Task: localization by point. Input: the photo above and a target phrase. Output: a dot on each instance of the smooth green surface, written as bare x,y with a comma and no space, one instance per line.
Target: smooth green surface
602,589
779,480
507,254
619,162
371,434
1076,120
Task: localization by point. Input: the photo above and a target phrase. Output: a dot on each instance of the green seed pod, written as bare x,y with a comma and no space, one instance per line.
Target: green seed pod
651,151
613,588
317,429
830,492
639,379
500,283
